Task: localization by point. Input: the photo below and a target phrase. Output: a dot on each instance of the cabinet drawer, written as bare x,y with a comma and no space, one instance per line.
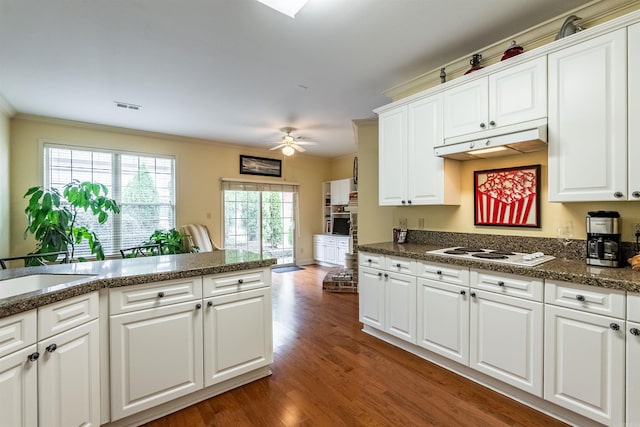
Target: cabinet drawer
608,302
445,273
633,306
226,283
64,315
401,265
343,243
17,331
508,284
371,260
157,294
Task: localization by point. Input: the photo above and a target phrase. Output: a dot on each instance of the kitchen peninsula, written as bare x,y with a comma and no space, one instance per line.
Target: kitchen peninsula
143,337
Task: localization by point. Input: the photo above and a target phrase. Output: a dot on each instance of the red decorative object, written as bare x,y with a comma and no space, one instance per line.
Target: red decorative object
475,63
513,50
507,197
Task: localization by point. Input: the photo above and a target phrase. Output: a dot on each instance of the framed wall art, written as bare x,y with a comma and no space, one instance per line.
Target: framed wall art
507,197
250,165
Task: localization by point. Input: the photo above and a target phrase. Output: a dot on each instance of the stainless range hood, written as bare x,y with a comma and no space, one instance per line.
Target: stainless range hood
507,141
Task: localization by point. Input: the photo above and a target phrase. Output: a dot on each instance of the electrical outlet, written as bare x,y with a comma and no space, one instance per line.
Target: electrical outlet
636,229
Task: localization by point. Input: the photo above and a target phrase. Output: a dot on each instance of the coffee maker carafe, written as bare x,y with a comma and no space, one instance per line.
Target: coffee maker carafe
603,239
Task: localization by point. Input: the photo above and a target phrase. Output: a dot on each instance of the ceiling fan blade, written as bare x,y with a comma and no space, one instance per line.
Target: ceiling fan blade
277,146
306,143
298,148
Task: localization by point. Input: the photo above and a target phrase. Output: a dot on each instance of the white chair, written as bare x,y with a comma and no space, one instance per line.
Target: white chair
198,235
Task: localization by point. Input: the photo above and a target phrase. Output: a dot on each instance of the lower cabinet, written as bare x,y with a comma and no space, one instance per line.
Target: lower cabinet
330,249
633,374
584,363
506,339
400,305
69,378
237,334
443,319
371,294
19,388
156,356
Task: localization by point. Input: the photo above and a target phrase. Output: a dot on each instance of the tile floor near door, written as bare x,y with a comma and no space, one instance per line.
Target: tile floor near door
327,372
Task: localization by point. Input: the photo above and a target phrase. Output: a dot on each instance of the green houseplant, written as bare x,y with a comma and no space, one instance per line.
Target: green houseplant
170,241
53,216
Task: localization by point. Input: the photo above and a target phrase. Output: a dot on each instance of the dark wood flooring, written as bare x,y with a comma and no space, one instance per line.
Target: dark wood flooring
327,372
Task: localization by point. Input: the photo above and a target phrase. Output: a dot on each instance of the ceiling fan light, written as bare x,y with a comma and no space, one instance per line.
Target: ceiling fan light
288,150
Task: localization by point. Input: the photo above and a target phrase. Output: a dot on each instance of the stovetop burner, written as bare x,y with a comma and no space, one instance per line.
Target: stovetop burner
498,256
490,255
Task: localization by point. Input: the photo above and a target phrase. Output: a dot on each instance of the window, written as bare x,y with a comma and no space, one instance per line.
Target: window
143,186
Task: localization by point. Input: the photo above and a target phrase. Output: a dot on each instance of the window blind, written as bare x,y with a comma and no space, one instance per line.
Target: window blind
143,185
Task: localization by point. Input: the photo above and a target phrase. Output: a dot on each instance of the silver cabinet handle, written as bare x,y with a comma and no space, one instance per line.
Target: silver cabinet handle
614,326
636,194
618,194
634,331
492,123
482,125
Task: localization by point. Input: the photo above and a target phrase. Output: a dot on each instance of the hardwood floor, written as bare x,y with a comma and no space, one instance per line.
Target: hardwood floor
327,372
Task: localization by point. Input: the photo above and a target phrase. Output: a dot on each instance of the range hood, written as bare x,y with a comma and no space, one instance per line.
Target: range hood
507,141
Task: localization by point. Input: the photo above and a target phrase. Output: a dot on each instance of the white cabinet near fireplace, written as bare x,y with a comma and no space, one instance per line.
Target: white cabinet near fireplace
330,249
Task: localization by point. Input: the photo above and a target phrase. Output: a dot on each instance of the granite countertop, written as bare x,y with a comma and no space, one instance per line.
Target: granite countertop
565,270
125,272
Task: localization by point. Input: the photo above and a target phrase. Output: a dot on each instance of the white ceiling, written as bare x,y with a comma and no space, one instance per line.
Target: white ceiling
235,70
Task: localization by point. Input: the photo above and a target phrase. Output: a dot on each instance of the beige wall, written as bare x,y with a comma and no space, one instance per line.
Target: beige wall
4,185
199,167
342,167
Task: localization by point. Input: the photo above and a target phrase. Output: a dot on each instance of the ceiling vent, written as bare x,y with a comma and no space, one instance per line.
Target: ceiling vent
128,106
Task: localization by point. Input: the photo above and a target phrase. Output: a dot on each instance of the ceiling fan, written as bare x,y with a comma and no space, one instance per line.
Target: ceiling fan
291,144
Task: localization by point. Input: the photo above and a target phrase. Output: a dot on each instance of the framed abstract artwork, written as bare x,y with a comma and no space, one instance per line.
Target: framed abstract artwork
250,165
507,197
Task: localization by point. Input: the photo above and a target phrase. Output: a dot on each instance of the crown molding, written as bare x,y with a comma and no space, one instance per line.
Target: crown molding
6,108
592,14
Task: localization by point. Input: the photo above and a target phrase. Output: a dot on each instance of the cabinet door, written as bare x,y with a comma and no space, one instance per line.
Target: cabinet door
443,319
19,389
237,334
318,248
588,120
425,180
69,378
371,294
584,363
400,306
518,94
156,356
633,374
506,339
340,191
392,157
466,108
634,112
341,252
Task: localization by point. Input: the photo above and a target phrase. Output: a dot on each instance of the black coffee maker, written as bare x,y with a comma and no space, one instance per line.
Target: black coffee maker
603,239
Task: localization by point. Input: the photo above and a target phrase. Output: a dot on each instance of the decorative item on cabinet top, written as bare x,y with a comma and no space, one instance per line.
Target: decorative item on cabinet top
475,63
514,50
569,27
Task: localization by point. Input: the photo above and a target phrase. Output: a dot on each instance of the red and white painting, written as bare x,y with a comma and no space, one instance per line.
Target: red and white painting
508,197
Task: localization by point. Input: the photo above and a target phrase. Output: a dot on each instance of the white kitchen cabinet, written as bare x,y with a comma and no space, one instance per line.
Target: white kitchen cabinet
400,305
409,172
237,334
506,339
633,146
318,247
588,120
443,319
371,296
19,388
69,377
633,374
156,356
340,190
584,363
69,363
515,95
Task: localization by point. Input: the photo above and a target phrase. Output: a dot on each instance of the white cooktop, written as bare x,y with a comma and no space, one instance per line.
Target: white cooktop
512,258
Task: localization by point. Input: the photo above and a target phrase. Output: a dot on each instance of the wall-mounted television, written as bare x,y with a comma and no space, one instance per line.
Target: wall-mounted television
341,226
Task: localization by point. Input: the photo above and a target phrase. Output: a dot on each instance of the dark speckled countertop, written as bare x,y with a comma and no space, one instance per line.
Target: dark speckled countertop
125,272
569,271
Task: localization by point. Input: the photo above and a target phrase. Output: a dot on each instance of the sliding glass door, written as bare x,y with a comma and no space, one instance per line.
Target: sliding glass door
261,218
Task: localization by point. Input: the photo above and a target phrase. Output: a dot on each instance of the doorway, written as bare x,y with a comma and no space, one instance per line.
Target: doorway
261,218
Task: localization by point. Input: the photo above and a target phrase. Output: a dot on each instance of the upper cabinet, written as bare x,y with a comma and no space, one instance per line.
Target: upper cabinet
633,142
409,173
588,120
340,190
514,95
